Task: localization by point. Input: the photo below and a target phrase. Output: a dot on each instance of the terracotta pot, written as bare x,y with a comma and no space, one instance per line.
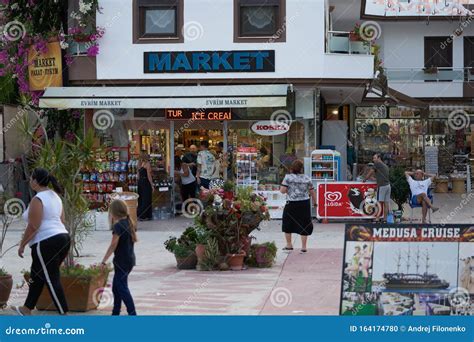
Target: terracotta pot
82,294
262,261
187,263
353,37
236,261
6,284
200,251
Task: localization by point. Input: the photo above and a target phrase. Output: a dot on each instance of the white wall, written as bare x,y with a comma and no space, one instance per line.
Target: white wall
302,56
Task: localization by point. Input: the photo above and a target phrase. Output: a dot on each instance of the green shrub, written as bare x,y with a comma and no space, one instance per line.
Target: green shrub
399,185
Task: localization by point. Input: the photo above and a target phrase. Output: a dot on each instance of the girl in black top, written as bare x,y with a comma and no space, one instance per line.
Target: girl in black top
124,237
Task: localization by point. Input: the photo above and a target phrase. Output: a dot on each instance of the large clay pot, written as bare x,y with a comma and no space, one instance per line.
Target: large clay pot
6,284
236,261
187,263
82,293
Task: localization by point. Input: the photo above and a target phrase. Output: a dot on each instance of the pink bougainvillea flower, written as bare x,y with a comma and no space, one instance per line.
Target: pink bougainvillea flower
69,59
93,51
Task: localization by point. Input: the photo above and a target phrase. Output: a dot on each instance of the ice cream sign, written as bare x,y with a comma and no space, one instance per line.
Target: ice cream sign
269,128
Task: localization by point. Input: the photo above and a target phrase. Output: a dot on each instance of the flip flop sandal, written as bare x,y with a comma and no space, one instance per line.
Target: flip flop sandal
288,248
304,250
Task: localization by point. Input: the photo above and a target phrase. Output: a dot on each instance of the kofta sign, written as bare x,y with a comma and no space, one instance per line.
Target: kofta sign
45,69
185,114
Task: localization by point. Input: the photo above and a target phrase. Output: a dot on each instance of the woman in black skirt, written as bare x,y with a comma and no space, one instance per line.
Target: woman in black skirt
297,212
145,189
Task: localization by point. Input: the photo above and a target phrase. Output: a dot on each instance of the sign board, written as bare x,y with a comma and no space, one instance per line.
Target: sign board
371,112
408,270
45,70
404,113
208,61
269,128
347,200
198,114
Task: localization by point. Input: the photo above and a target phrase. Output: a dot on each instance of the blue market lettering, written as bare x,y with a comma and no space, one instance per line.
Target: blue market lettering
209,61
101,103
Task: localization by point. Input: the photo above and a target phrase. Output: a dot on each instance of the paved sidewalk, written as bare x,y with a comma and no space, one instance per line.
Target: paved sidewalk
298,284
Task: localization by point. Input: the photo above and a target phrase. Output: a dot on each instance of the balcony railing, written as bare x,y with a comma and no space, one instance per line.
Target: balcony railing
430,74
340,42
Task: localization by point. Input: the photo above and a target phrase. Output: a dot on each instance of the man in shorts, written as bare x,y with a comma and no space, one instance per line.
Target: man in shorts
419,190
384,190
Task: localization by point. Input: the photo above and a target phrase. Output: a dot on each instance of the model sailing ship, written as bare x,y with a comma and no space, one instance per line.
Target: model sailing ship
415,280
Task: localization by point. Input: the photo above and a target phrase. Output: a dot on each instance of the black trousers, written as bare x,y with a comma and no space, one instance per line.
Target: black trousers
48,255
188,191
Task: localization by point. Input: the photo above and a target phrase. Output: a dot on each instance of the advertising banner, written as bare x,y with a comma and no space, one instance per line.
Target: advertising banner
408,270
347,200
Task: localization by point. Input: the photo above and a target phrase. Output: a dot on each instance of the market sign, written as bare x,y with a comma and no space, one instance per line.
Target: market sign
209,61
45,69
407,269
198,114
269,128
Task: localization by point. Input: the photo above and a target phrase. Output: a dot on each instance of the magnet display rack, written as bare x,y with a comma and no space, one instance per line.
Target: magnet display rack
109,172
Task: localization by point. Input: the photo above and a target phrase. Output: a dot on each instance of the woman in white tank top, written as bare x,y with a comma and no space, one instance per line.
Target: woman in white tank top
48,239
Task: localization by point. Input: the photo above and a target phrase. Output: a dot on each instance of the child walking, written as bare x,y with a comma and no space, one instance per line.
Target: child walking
124,237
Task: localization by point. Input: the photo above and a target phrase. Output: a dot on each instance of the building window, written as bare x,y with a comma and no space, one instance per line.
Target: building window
259,21
158,21
438,52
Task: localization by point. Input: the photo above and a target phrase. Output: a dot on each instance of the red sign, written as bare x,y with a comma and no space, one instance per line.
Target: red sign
204,114
347,200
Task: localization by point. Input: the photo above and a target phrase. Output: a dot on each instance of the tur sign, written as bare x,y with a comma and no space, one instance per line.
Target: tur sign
209,61
270,128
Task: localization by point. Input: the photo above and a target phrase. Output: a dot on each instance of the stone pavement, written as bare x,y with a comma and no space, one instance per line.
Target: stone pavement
298,284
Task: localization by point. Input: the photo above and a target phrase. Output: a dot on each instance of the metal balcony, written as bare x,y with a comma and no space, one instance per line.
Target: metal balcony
340,42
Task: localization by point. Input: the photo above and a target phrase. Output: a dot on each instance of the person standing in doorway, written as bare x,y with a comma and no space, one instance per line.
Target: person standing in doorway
188,181
48,239
384,190
205,165
124,236
297,211
145,188
190,158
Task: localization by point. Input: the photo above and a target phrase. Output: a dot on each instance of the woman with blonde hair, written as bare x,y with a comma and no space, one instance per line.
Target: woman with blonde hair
145,188
124,236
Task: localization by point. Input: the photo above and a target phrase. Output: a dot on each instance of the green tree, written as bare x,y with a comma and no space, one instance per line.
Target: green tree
400,187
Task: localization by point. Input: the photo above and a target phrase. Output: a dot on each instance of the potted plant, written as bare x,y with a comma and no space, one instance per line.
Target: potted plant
6,284
202,238
65,158
184,248
82,286
6,219
211,258
431,70
229,190
354,35
263,255
400,187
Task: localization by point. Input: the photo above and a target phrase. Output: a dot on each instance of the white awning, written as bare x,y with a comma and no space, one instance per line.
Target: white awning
234,96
